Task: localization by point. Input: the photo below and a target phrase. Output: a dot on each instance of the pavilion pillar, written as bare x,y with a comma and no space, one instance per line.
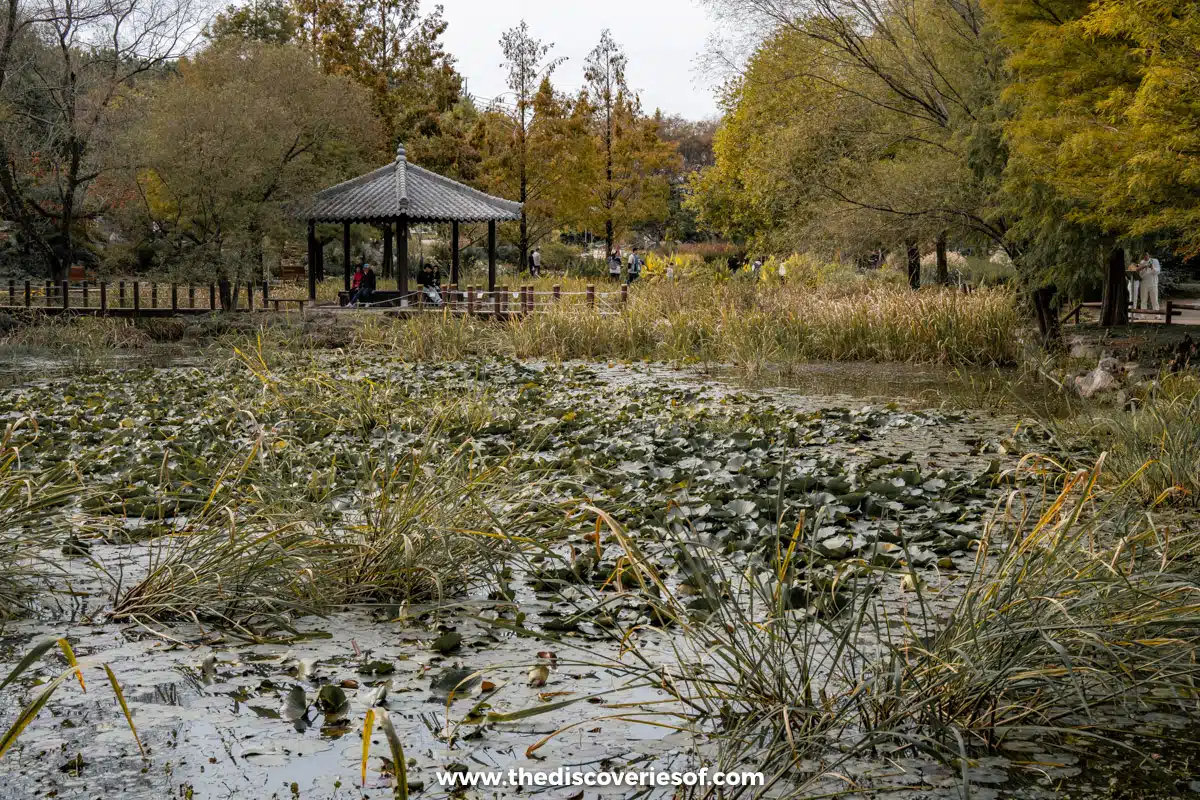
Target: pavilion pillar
387,250
492,257
402,254
454,255
346,255
312,260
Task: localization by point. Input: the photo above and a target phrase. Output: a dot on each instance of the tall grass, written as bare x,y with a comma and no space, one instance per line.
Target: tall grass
30,528
1077,617
1152,445
748,326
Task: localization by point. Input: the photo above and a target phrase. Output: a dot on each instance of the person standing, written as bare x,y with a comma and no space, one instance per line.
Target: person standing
614,266
1133,279
1150,269
635,265
535,263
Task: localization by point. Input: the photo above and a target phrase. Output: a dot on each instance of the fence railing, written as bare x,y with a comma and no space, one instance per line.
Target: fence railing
137,297
1168,312
504,301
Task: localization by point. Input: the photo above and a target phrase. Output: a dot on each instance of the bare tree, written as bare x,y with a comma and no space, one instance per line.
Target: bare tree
65,66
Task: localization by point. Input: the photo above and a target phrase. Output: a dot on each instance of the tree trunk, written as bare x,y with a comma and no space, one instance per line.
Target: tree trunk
223,286
1047,317
914,264
943,265
1114,308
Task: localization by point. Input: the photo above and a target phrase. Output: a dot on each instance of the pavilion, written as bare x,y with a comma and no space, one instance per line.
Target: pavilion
392,198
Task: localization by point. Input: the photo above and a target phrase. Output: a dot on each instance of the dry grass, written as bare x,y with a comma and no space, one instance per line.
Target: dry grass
748,326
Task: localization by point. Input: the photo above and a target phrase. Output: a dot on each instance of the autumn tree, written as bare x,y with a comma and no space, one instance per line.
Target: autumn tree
858,125
633,162
224,150
528,148
66,68
267,21
391,49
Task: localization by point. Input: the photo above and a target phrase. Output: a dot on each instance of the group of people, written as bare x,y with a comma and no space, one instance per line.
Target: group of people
634,264
362,285
1142,278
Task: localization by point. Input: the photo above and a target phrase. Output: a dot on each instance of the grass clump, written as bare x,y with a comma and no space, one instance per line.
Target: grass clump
29,505
1151,445
1079,618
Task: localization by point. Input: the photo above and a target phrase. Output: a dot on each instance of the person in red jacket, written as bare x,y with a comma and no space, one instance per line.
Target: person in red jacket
356,284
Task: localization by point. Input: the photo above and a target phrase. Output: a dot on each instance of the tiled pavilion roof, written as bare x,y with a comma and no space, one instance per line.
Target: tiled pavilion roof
402,189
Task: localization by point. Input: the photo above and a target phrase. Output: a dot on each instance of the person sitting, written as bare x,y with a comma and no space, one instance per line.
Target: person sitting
355,283
429,279
366,287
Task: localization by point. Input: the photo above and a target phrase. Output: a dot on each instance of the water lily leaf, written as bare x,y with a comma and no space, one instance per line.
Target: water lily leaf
295,705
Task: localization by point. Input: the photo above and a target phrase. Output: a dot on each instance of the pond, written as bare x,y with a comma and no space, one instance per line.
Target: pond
528,565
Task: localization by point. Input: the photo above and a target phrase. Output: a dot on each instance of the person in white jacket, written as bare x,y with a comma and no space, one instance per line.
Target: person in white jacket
1149,269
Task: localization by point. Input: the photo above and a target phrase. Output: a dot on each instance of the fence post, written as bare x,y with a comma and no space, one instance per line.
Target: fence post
174,297
121,295
28,295
191,295
66,298
86,298
103,296
557,292
12,292
502,300
212,297
249,296
591,296
529,299
624,294
154,295
49,293
266,294
1170,312
137,297
470,300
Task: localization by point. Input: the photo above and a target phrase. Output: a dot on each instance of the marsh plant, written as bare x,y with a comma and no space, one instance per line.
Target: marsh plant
31,525
1152,443
1077,617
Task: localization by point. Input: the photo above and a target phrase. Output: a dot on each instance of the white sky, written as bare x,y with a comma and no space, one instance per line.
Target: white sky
662,39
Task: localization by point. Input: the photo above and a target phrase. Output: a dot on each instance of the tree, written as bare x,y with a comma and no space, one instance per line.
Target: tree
225,148
858,124
635,162
1070,143
65,68
394,51
524,137
267,21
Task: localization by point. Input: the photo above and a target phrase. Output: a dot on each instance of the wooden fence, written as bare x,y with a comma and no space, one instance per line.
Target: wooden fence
140,298
504,302
1168,312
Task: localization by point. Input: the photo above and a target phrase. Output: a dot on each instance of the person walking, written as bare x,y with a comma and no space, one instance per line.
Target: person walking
1150,269
635,265
535,263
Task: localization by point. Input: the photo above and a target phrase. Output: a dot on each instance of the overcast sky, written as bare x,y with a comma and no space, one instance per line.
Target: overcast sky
661,38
